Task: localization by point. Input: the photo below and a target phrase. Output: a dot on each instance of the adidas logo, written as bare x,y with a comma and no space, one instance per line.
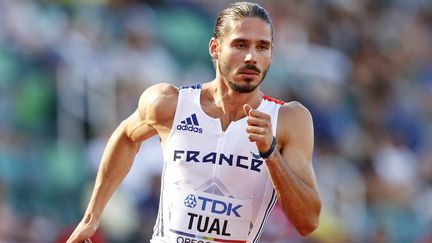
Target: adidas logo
190,124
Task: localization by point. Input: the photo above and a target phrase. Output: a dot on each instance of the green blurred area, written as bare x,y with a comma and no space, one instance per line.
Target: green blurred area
70,71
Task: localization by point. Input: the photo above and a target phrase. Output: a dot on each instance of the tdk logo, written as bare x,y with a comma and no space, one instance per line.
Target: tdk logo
212,205
190,201
190,124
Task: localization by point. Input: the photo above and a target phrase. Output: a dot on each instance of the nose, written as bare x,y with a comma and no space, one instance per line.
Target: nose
250,57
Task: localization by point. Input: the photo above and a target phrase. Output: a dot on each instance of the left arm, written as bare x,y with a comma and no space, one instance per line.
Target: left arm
290,165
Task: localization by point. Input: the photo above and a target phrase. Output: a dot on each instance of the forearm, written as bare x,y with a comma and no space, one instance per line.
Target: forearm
299,201
116,162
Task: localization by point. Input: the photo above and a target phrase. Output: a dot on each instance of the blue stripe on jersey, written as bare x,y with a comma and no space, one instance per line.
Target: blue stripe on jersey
159,226
183,233
195,119
192,86
267,213
162,211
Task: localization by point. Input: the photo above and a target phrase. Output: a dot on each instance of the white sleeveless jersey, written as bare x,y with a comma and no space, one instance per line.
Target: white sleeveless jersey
215,187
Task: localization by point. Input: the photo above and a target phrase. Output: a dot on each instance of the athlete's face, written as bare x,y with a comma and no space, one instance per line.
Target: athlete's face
244,54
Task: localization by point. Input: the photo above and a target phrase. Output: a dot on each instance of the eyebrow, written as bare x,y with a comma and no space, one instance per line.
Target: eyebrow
264,42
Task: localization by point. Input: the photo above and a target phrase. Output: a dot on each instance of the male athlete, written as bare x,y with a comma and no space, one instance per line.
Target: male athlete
229,150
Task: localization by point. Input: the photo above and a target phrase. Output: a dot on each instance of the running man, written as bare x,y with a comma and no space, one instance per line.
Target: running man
229,151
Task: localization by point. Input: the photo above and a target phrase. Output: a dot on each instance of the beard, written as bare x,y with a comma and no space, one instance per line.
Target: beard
247,85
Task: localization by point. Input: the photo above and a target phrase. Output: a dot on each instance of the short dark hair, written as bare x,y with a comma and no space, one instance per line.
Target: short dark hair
238,11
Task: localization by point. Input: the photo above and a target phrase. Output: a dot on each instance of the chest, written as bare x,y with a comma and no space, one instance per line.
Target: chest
201,139
199,151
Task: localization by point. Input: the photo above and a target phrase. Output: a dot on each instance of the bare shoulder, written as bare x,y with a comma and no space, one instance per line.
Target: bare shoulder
294,120
158,103
294,111
159,94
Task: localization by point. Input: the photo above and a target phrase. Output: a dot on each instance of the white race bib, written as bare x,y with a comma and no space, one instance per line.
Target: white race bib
202,217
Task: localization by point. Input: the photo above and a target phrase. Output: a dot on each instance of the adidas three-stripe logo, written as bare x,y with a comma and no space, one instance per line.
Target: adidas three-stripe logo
192,120
190,124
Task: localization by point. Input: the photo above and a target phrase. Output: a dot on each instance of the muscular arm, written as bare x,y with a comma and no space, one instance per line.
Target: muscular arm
115,164
154,116
290,166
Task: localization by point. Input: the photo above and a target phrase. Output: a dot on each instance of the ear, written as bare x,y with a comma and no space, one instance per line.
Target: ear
214,48
271,53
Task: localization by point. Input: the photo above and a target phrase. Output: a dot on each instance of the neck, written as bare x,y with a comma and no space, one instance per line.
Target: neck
229,102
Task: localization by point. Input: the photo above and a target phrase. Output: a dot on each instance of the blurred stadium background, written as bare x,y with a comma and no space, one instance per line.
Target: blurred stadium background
70,71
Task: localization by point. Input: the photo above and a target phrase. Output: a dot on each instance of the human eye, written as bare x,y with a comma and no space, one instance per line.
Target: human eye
263,47
240,45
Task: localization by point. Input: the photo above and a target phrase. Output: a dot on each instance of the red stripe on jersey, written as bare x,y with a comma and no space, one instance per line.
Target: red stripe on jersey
280,102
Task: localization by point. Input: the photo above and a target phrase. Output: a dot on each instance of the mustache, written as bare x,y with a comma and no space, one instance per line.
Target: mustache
250,67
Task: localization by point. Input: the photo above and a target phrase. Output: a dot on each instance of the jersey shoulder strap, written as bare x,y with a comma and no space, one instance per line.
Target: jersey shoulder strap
191,86
279,102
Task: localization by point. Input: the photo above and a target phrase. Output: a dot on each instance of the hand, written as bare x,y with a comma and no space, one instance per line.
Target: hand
83,232
259,128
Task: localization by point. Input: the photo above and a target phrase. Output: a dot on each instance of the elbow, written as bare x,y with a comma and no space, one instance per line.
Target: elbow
308,227
310,222
304,217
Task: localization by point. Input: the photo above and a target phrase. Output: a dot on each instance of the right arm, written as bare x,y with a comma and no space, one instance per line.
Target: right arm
153,116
